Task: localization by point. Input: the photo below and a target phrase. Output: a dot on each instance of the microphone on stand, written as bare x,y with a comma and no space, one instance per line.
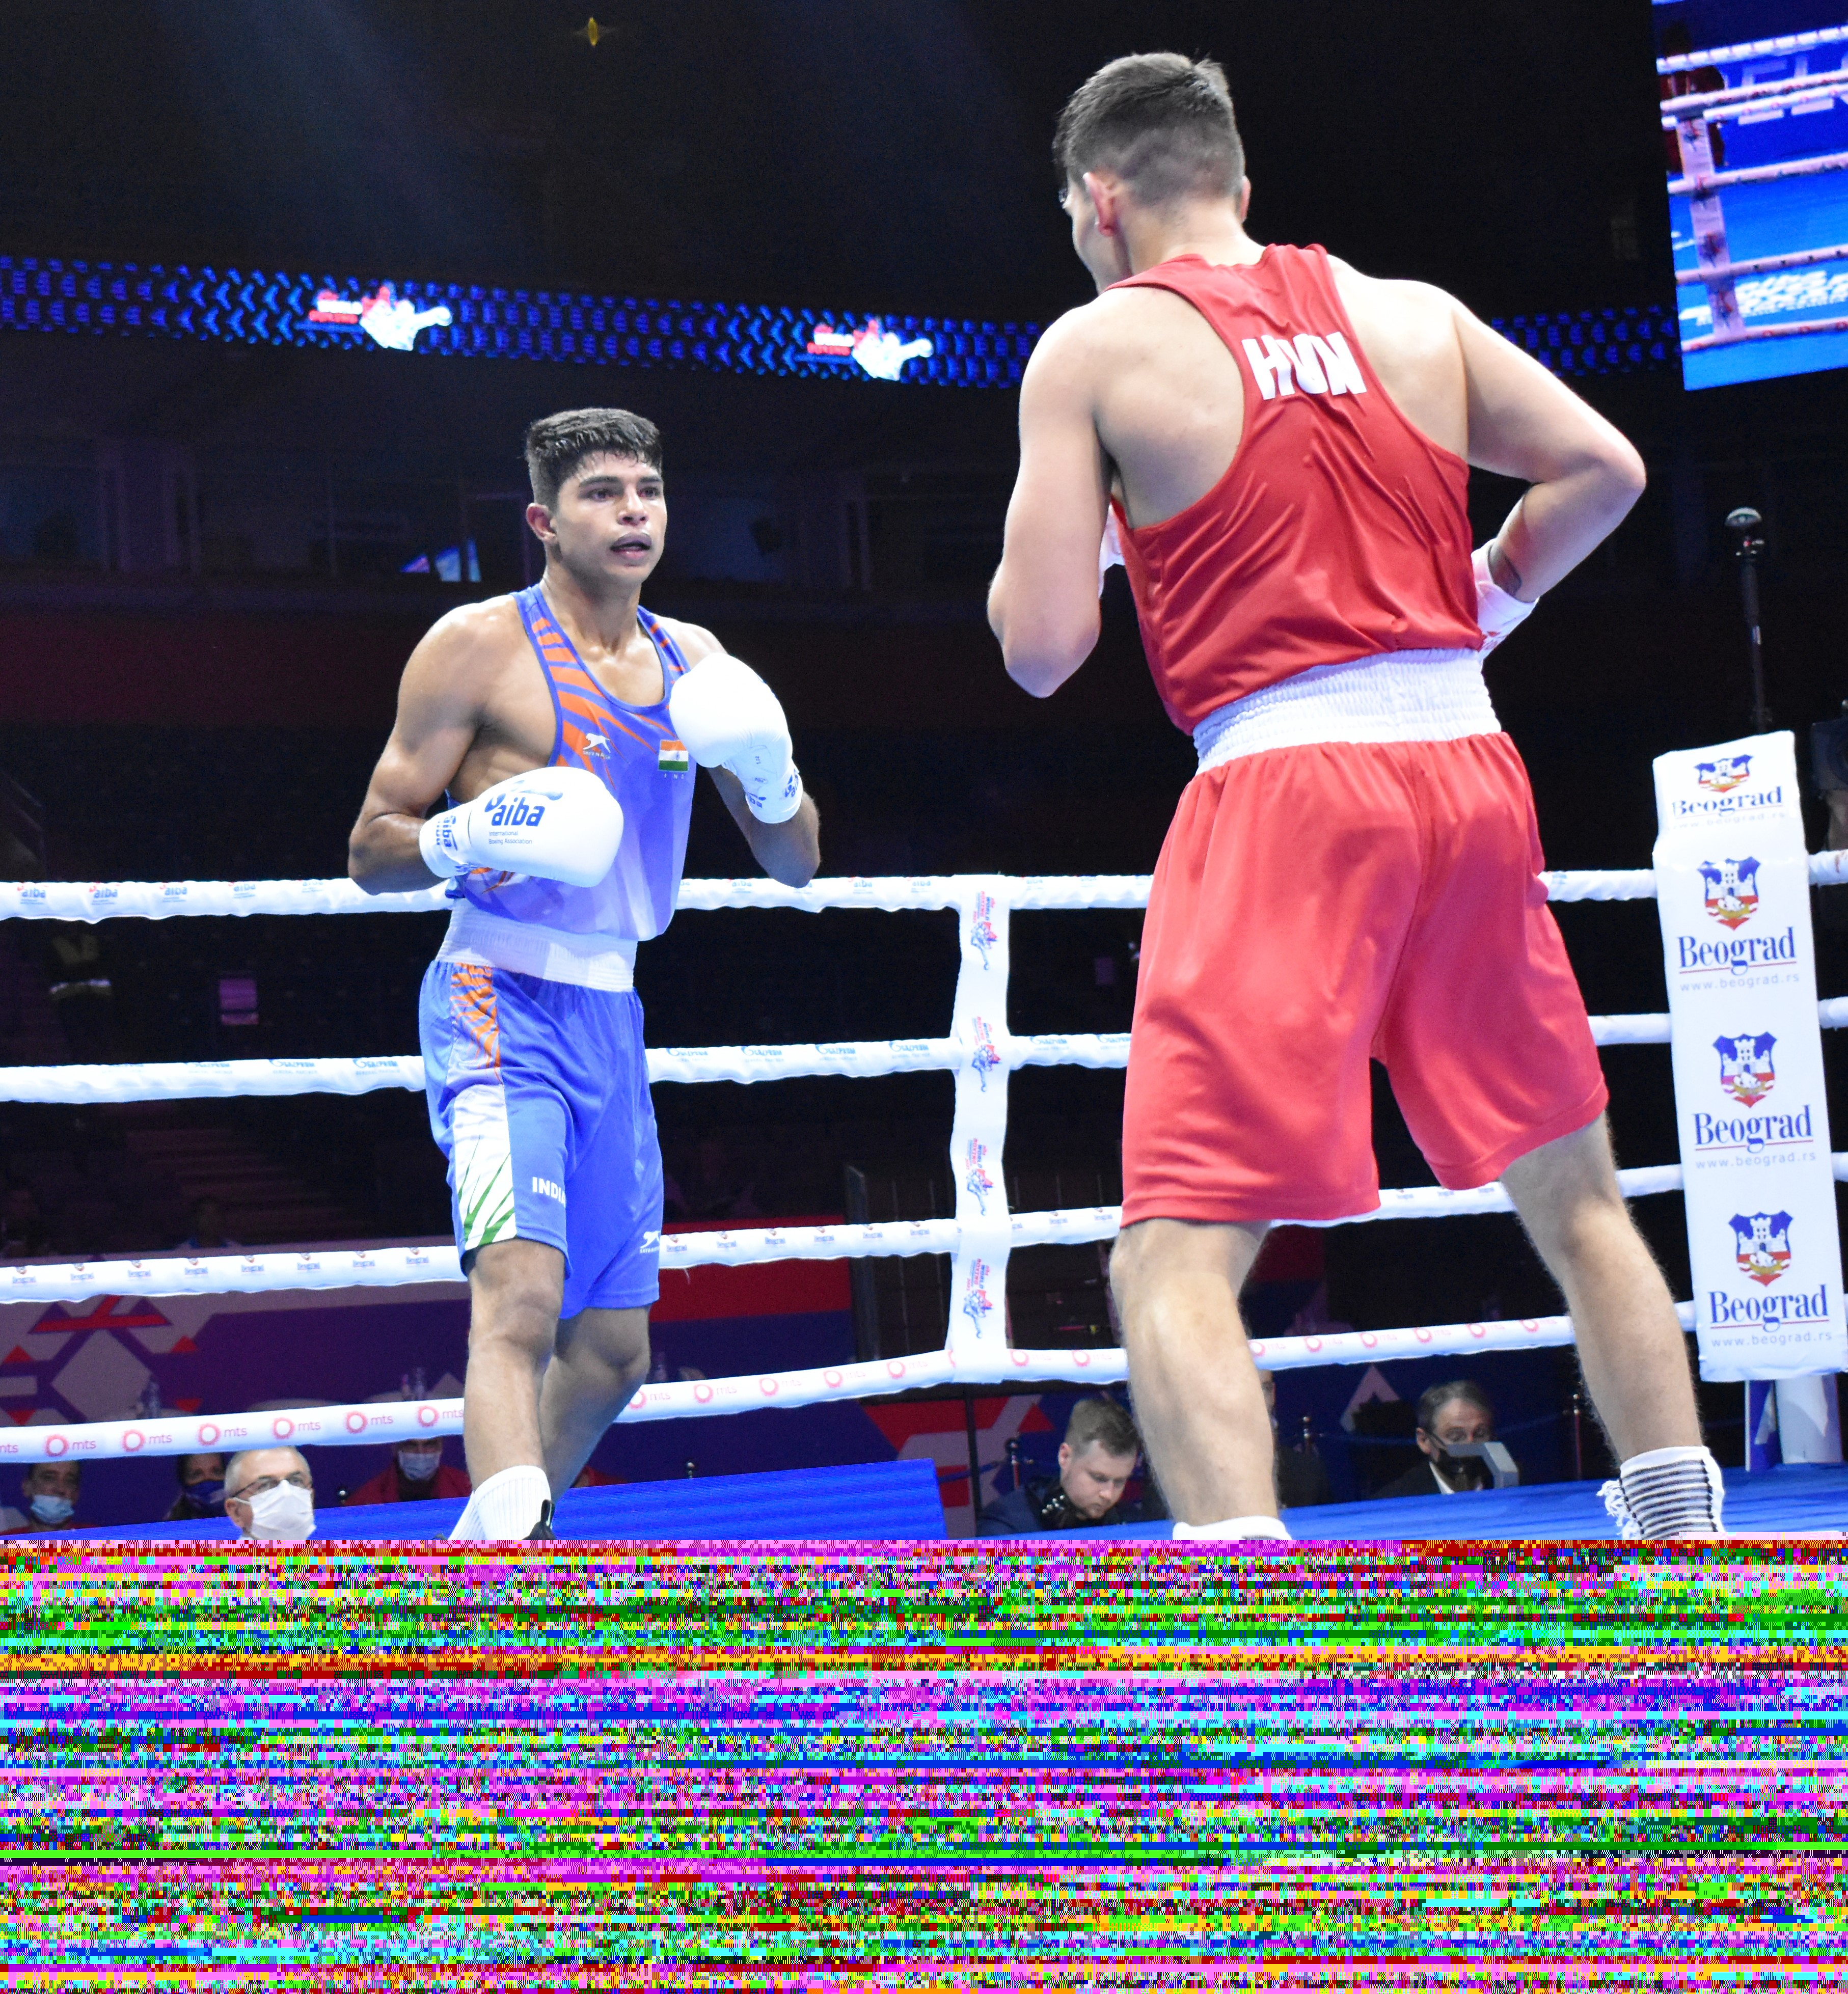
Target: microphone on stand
1745,522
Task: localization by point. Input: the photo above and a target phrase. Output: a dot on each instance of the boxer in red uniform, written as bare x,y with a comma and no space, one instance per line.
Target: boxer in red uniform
1280,448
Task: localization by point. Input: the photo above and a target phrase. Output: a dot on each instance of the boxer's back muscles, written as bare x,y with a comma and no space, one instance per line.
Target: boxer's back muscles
1168,396
1137,392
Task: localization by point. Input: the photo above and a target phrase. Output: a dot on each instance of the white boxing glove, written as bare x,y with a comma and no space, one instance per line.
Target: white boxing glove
554,823
730,719
1109,552
1497,612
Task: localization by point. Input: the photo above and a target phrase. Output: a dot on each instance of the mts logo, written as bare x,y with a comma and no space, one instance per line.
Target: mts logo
1319,363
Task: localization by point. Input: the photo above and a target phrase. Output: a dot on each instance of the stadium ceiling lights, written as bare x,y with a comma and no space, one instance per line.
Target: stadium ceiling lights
249,308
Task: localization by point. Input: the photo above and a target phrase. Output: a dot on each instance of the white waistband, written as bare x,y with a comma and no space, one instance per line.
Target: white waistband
1397,695
595,961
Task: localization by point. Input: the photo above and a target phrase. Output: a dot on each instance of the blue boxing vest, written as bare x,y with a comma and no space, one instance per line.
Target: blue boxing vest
633,749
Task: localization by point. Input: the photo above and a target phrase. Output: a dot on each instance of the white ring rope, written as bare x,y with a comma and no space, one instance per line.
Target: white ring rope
394,1266
977,1051
867,1059
156,900
373,1423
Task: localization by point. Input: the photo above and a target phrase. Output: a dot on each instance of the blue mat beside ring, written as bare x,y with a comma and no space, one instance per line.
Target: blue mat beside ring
895,1500
1783,1500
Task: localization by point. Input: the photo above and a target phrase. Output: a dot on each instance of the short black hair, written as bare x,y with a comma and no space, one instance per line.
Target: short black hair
556,445
1104,1422
1164,125
1434,1401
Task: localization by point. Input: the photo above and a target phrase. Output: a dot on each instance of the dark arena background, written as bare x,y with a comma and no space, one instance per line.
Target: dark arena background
280,288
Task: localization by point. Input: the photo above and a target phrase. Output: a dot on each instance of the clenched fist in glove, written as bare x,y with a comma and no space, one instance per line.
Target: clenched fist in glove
1497,612
730,719
554,823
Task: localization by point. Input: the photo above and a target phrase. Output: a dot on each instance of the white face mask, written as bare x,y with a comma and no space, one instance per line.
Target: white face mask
416,1465
284,1514
52,1509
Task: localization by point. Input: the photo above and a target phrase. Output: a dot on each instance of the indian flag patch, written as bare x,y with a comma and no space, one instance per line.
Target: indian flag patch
672,759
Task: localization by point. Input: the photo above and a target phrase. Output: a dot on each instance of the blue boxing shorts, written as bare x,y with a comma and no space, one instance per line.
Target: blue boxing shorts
538,1099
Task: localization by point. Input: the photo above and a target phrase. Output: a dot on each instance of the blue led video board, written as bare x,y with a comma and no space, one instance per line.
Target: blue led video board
248,307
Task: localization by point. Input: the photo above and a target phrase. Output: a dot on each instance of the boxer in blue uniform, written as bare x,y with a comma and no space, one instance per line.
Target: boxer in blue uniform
565,723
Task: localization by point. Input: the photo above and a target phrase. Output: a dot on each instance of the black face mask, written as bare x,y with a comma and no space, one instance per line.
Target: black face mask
1463,1472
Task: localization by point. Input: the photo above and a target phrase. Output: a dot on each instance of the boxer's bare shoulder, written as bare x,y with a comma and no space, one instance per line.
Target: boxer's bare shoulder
1147,372
1467,388
1125,344
1410,333
468,656
473,706
694,639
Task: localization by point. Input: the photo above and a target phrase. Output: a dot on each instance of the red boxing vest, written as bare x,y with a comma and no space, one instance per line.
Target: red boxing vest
1338,530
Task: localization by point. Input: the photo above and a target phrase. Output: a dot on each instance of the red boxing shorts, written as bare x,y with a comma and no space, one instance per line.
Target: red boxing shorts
1316,907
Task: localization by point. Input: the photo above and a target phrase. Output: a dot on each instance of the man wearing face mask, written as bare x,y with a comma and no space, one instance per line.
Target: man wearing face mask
201,1497
1457,1413
50,1492
415,1473
269,1496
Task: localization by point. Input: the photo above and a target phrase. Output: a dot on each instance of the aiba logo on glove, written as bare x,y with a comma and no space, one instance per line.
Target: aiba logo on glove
506,813
1761,1245
1746,1070
1731,889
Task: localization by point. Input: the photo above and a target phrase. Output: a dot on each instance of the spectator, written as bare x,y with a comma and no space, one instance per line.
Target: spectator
51,1492
23,1231
80,991
201,1479
416,1473
208,1235
1457,1413
1302,1480
716,1186
1096,1459
269,1495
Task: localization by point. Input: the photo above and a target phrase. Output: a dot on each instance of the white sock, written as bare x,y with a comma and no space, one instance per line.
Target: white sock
1668,1492
505,1508
1232,1527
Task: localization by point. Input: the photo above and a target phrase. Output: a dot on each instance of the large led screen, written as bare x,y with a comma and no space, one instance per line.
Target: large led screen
1754,117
